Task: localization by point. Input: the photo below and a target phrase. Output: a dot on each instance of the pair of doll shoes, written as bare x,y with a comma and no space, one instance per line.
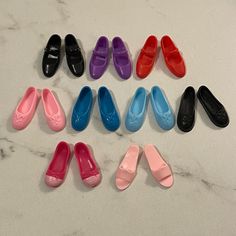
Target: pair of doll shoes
148,55
161,108
127,169
213,107
25,110
58,167
100,58
83,108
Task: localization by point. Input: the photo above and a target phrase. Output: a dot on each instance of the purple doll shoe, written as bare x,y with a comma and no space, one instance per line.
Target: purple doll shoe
121,58
99,59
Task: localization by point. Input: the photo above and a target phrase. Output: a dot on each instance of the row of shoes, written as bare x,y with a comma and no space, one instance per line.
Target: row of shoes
109,114
90,172
121,59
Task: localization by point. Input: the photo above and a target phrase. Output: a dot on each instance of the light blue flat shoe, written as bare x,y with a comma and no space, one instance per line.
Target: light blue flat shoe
161,108
108,112
137,110
82,109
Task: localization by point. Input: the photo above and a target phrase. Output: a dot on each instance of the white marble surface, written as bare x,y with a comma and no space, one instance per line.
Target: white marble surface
203,198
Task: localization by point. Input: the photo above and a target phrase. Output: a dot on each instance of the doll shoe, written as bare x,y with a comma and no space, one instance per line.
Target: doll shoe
53,111
127,169
25,109
107,109
161,109
121,58
147,57
89,170
172,56
52,55
82,109
186,113
214,109
74,57
159,168
58,166
100,58
137,110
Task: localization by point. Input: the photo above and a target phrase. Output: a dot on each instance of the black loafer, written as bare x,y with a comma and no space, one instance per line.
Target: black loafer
186,114
214,109
52,55
74,56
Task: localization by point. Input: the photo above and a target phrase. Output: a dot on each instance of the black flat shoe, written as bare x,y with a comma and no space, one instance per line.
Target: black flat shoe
214,109
74,56
52,55
186,114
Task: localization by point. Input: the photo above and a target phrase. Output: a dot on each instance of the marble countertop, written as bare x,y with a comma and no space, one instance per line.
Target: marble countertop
203,198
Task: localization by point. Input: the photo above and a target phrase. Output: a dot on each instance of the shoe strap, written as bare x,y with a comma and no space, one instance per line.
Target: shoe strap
149,53
163,172
101,53
125,174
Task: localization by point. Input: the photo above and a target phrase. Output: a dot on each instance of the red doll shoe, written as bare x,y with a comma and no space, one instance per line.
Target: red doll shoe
147,57
89,171
58,166
172,56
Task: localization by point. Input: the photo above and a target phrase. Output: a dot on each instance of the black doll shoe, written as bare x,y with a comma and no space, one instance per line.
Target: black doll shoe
52,55
186,114
74,56
214,109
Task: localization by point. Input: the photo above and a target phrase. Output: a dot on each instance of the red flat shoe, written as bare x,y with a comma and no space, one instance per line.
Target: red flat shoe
172,56
89,171
58,166
147,57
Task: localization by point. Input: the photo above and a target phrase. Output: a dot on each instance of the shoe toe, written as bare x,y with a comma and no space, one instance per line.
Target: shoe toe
92,181
122,184
53,181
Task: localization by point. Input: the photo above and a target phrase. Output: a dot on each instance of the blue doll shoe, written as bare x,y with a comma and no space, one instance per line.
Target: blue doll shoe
161,108
82,109
137,110
108,112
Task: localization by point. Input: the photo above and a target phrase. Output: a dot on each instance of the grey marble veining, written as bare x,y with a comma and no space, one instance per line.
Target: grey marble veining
203,198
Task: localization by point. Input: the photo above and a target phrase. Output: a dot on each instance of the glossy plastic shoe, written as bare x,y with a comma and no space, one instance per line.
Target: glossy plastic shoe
147,57
82,109
214,109
52,55
162,109
186,113
137,110
159,168
25,109
74,56
58,167
54,113
108,112
172,56
100,58
121,58
89,170
127,169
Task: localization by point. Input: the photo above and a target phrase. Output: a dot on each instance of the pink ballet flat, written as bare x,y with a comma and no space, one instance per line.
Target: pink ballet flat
127,169
89,170
53,111
25,109
159,168
58,166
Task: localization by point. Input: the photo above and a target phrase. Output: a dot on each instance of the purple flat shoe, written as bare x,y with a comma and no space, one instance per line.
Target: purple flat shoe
99,59
121,58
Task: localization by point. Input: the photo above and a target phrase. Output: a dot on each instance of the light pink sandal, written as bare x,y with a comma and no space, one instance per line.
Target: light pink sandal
128,167
25,110
53,111
159,168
